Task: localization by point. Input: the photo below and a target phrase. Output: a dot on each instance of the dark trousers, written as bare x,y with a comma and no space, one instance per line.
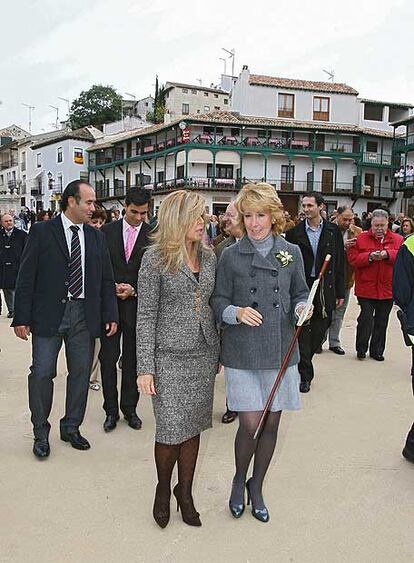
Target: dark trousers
45,350
9,298
372,325
311,338
109,355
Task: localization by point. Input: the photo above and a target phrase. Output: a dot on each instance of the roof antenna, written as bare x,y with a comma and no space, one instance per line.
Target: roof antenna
331,74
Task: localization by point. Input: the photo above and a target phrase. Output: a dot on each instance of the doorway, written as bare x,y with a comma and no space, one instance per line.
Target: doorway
327,181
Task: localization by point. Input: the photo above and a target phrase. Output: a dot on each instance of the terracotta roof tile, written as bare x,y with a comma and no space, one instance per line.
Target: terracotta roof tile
294,84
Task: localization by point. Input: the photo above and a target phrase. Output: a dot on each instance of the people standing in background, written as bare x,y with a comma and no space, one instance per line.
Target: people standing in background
234,234
127,241
372,257
97,221
349,233
12,242
316,238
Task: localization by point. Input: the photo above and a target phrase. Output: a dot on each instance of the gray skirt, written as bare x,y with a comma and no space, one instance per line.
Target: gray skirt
248,390
184,384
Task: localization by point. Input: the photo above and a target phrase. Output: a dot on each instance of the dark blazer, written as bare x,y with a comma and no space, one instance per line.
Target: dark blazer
11,249
126,272
42,283
218,251
330,242
247,279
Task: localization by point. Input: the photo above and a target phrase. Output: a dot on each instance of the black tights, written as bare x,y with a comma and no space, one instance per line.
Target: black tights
166,456
262,449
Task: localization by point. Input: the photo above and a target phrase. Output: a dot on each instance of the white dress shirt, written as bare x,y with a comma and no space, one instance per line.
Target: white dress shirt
67,224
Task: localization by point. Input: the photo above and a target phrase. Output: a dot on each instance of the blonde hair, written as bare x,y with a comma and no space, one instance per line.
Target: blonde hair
177,213
260,197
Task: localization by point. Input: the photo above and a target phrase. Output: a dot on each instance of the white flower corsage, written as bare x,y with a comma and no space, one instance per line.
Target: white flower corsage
284,257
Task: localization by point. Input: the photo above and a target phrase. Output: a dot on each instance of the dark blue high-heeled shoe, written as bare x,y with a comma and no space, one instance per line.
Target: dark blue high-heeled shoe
261,514
237,510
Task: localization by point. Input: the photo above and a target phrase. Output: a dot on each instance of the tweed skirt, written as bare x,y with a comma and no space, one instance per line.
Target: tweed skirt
184,383
248,390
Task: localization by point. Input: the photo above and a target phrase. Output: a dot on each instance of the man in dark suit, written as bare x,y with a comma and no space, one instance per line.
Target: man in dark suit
127,240
65,291
12,243
316,238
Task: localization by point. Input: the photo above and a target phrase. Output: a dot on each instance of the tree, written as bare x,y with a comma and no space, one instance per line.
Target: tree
157,116
96,106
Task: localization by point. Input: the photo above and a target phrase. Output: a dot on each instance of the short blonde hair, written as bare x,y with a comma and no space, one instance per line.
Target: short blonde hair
177,213
260,197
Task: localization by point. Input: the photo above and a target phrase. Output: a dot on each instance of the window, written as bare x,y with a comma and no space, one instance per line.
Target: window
206,108
161,176
216,95
194,92
59,184
222,171
60,154
184,90
373,112
1,180
78,156
185,109
207,130
287,177
206,94
321,108
180,172
217,107
226,101
235,132
262,134
286,105
372,146
23,162
146,104
39,160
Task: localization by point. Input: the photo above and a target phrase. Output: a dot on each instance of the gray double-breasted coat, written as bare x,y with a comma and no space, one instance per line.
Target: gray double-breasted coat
177,342
247,279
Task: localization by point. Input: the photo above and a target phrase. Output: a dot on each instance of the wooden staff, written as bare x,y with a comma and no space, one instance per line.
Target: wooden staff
292,345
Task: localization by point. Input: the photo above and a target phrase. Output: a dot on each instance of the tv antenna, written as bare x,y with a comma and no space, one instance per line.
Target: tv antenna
57,115
232,54
67,101
331,74
225,64
30,110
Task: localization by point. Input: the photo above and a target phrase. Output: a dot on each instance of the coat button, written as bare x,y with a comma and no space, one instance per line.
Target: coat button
274,273
276,289
253,290
66,283
63,301
254,305
276,305
252,274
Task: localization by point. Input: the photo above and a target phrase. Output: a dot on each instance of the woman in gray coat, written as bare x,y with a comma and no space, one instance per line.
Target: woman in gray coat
260,289
177,345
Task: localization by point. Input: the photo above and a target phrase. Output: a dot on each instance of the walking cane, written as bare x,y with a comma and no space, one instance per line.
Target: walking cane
292,345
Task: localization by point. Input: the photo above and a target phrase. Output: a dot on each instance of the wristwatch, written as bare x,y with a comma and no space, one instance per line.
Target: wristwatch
134,294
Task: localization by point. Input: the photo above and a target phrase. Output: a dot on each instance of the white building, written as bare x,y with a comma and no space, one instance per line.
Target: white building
51,163
186,99
297,135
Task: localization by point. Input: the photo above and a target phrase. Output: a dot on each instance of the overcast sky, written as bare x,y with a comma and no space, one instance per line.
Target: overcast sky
56,48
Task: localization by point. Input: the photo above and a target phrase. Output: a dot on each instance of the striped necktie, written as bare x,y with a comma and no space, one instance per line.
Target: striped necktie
75,267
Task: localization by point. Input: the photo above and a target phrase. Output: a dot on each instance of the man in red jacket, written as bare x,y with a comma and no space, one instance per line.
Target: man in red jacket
373,258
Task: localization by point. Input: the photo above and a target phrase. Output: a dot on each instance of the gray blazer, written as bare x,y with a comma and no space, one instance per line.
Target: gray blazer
172,308
246,279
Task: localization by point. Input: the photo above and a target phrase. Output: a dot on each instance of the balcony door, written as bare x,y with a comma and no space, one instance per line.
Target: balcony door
287,178
327,181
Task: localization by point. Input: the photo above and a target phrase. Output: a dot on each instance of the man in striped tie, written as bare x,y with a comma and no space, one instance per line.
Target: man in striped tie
65,292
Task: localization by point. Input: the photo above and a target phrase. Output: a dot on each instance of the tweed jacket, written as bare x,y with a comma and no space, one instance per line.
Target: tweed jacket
172,308
247,279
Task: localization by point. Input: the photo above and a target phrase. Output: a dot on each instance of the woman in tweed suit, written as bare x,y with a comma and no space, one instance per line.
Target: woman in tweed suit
260,286
177,345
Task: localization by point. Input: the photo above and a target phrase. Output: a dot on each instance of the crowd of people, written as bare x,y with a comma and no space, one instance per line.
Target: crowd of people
169,299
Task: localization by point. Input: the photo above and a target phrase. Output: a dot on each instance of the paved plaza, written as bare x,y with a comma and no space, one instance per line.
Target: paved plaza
338,489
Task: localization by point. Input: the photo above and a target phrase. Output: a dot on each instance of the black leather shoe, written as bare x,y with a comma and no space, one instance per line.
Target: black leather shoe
10,315
377,357
319,350
304,386
133,421
41,448
76,440
110,422
408,454
261,514
337,350
229,416
361,355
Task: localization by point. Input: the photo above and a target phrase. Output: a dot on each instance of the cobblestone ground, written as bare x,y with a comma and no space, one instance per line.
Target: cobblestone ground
338,489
